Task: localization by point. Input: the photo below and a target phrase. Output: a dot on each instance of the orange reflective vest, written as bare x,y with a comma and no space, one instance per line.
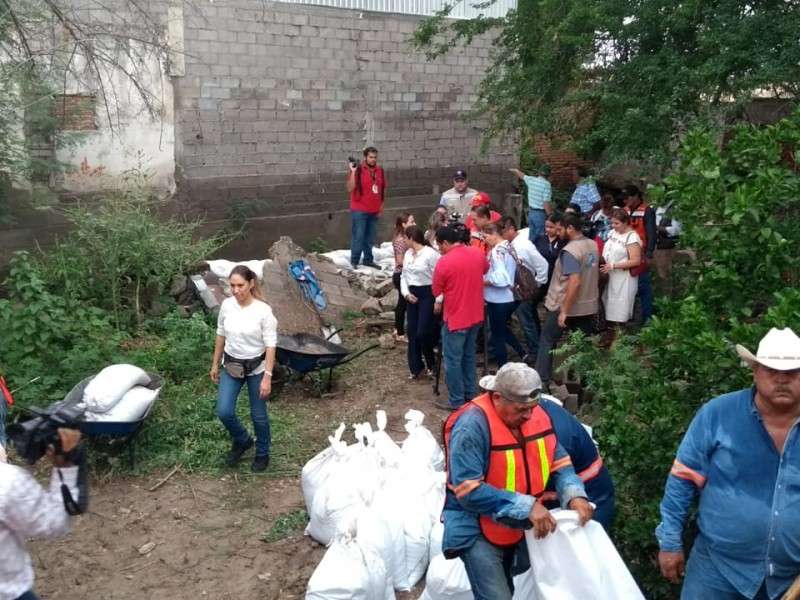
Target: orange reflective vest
637,223
522,468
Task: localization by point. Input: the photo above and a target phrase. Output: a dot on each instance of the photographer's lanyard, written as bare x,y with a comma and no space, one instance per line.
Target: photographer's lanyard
374,174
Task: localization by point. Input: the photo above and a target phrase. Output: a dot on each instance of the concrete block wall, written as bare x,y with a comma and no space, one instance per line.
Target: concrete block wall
277,96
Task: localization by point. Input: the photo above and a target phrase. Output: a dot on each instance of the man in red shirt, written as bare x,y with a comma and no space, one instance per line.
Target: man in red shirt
458,276
366,184
481,199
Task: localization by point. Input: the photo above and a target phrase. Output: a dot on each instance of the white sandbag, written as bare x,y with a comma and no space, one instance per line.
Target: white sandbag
341,258
447,580
130,408
373,534
316,470
349,571
3,457
222,268
110,385
417,527
577,562
388,450
348,488
387,506
420,448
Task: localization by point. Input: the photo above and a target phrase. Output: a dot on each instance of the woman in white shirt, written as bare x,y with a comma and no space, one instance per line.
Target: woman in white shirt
622,252
247,335
498,286
415,285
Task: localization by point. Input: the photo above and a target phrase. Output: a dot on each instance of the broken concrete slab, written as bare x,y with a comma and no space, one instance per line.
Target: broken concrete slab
390,300
371,307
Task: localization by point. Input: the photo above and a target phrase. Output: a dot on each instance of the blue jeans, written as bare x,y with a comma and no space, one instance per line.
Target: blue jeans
704,581
528,317
458,348
421,329
227,394
499,332
363,229
489,570
28,596
646,296
536,221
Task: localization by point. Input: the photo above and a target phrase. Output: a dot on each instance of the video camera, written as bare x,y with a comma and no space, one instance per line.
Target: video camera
353,161
31,438
454,221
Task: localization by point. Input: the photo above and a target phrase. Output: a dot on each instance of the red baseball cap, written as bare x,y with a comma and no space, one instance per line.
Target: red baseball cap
480,199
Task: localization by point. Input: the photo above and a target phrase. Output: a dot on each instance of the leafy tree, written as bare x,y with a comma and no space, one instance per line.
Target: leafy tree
739,207
618,80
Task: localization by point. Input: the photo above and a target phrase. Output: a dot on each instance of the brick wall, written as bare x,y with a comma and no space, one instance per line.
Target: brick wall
561,162
76,111
277,96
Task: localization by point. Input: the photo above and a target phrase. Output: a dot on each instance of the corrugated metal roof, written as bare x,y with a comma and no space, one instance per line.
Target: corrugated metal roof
427,8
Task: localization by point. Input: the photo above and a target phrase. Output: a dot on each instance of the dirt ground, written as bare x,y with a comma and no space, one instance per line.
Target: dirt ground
205,531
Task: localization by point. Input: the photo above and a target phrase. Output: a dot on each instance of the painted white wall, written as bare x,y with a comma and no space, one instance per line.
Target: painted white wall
128,135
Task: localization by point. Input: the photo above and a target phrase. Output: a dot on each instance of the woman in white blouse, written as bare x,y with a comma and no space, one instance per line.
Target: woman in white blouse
415,285
498,286
247,335
622,252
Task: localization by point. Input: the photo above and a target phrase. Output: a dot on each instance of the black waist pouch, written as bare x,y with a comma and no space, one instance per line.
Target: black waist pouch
239,368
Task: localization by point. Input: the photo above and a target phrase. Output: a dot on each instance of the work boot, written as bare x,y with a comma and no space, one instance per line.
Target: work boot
237,450
260,463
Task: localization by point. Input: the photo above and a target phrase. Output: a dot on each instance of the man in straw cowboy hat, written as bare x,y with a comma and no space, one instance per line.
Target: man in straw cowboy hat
500,455
742,454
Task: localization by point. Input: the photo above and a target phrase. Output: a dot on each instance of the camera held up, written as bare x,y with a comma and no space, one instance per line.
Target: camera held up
31,438
353,161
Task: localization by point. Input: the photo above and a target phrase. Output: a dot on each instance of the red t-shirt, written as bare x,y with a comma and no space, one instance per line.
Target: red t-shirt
373,188
459,276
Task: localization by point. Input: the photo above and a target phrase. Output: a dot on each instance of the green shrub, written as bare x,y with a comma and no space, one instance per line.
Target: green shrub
739,207
123,252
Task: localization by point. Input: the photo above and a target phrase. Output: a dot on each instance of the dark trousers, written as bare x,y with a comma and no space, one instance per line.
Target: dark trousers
28,596
499,332
551,334
421,330
646,296
400,309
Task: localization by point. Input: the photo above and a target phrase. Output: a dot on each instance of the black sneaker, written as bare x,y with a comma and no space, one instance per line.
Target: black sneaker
260,463
372,265
235,455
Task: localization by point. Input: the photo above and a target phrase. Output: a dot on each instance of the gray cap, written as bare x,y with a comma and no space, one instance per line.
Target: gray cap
516,382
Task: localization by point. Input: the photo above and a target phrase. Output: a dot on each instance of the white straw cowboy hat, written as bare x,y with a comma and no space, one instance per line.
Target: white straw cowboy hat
779,350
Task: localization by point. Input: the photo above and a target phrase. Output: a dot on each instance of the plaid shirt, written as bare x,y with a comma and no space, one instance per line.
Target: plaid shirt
26,511
586,195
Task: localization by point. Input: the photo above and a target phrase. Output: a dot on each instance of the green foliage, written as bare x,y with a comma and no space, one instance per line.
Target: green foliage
47,335
294,521
739,209
619,80
319,245
122,251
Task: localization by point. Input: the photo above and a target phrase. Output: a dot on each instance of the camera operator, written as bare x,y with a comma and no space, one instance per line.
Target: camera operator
27,510
457,200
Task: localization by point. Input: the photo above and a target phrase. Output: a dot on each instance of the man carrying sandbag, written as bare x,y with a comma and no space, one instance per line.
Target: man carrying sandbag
500,454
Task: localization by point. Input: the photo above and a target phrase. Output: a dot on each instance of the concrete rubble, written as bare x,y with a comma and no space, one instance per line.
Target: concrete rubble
365,290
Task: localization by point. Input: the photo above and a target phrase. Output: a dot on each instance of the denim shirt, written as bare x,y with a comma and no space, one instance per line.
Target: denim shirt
749,511
469,459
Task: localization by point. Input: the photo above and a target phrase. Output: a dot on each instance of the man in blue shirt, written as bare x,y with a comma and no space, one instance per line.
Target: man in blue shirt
585,195
499,457
540,193
741,454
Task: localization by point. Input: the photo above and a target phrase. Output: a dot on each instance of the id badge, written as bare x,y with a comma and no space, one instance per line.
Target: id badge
374,188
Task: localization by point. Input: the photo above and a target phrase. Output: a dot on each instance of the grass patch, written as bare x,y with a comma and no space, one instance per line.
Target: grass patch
285,524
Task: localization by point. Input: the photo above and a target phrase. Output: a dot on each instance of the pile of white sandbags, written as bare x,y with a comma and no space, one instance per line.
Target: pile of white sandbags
374,503
383,257
119,394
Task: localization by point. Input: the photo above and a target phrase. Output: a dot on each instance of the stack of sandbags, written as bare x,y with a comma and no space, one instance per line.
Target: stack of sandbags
378,496
119,394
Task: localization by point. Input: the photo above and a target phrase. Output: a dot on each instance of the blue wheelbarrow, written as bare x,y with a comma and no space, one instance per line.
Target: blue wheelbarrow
115,434
304,353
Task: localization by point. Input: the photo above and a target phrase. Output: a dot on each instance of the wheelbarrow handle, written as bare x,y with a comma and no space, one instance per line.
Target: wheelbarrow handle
350,357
